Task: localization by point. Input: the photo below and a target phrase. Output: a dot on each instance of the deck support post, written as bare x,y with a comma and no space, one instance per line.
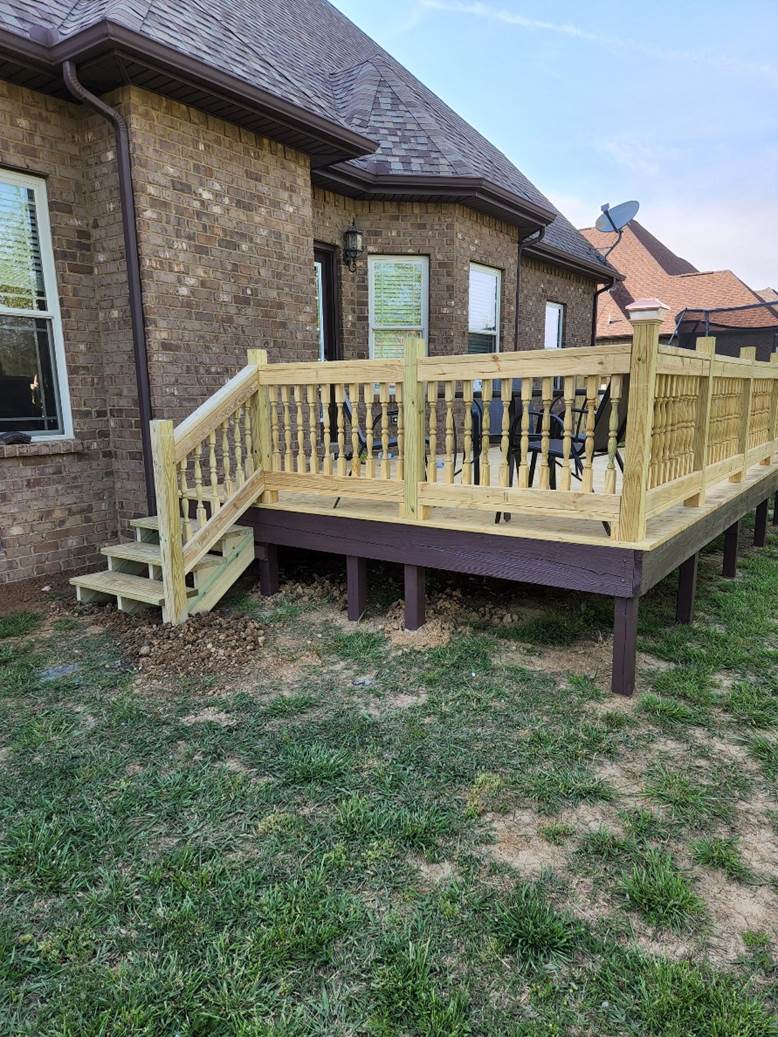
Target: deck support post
687,589
730,550
760,524
267,556
415,578
775,510
625,629
356,586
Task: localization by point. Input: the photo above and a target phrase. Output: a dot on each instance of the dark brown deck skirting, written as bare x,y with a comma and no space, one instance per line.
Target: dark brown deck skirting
760,524
664,559
612,571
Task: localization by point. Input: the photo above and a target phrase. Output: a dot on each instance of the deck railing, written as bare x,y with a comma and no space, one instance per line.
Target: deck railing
465,432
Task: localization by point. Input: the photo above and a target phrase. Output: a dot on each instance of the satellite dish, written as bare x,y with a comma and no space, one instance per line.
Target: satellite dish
613,221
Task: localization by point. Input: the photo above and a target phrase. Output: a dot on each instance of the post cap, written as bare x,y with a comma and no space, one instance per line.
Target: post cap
647,309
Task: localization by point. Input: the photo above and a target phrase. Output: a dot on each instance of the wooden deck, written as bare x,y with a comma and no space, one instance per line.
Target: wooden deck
616,465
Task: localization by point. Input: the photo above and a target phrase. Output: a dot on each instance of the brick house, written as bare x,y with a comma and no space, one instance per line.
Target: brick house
717,302
199,207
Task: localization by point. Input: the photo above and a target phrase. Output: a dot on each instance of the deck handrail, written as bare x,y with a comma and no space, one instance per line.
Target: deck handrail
401,432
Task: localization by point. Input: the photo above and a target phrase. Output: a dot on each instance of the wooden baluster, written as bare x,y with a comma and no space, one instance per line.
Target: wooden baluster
486,399
613,434
587,483
547,396
356,467
467,457
432,434
526,400
398,396
300,418
506,386
369,434
568,392
288,457
237,438
313,422
213,472
448,465
274,433
325,410
383,397
201,514
183,495
339,398
248,439
226,458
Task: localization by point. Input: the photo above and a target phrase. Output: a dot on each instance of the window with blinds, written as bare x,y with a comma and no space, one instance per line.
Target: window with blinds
483,333
398,302
33,397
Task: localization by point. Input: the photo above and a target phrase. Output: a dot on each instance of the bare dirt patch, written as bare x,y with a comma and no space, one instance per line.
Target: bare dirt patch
518,843
735,908
435,874
209,714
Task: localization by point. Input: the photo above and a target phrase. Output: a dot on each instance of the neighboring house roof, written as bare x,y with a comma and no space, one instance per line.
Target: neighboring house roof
329,75
650,268
768,294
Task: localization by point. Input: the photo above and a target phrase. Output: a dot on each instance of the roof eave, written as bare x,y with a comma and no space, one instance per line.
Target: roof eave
331,140
604,272
473,191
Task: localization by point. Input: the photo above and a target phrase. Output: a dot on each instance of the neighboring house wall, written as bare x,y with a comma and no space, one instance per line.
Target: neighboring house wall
56,499
453,236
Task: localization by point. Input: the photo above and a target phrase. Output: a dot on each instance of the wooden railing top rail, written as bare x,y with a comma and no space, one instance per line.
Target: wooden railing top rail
533,363
215,410
332,372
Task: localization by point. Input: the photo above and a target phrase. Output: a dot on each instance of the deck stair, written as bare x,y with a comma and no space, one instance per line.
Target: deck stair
208,471
133,578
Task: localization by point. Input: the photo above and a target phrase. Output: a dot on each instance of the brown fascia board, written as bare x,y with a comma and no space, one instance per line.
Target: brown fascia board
473,191
106,37
607,274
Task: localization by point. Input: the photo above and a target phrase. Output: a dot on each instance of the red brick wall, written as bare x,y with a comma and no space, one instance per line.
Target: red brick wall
453,236
56,499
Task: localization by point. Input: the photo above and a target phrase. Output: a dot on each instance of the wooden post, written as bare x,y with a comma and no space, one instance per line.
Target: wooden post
730,550
260,418
625,630
646,316
760,524
706,347
413,420
746,353
687,588
356,586
267,556
171,545
415,596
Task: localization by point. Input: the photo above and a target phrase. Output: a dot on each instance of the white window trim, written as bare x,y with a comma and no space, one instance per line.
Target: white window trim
319,273
560,309
425,298
497,310
38,186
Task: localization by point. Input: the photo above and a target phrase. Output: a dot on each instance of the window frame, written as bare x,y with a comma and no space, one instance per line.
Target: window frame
52,314
498,305
424,261
561,308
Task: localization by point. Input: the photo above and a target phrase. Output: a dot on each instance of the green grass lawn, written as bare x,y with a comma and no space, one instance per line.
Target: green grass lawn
365,833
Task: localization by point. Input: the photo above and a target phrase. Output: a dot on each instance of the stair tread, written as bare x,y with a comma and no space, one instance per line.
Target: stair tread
126,585
149,554
152,522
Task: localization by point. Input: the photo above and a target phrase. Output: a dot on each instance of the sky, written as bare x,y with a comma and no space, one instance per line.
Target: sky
674,104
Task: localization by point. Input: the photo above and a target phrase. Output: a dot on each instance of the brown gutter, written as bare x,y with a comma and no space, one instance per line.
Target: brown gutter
132,260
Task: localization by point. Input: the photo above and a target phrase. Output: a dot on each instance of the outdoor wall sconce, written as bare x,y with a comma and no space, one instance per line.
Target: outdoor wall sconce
353,246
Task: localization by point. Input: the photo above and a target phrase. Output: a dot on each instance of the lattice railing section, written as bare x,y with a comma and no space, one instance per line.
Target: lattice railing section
725,419
675,419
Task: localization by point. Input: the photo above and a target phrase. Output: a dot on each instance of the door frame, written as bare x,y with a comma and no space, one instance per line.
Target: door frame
327,255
